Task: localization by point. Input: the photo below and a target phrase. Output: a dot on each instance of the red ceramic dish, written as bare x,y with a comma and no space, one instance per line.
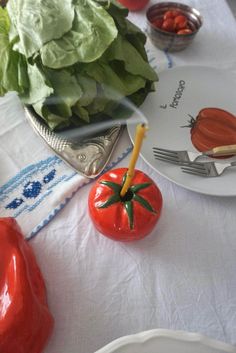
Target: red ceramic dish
134,5
25,320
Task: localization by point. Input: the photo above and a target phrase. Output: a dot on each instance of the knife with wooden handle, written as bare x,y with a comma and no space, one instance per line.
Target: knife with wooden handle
221,151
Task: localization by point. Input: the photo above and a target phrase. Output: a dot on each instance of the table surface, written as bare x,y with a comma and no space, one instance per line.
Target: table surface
181,277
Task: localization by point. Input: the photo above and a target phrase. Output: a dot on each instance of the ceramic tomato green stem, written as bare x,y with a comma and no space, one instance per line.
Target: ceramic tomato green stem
127,200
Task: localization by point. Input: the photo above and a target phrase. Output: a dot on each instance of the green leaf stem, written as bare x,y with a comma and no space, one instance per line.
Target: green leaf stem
137,187
143,203
114,186
128,203
112,199
130,212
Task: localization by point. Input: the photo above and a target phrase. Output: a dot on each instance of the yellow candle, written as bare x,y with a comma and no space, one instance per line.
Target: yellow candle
139,136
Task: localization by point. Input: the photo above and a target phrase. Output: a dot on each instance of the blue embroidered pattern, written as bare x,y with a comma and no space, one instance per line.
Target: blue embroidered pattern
31,189
15,203
153,60
49,177
35,183
31,186
56,210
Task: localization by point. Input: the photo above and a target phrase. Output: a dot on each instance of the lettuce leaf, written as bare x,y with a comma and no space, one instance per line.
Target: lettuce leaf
73,62
12,65
38,21
92,32
67,91
51,118
39,87
122,50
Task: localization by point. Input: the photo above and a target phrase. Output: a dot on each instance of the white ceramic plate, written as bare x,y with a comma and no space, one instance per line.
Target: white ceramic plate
166,341
181,92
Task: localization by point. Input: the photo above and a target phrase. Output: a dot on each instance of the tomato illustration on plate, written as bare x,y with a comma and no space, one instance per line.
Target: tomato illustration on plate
211,128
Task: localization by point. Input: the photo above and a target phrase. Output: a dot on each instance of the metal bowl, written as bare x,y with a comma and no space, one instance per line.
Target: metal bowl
169,41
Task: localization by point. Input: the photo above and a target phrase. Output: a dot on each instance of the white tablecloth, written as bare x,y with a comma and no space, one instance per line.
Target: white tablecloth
182,276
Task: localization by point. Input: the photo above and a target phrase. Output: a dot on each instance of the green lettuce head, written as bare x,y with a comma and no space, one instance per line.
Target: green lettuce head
72,61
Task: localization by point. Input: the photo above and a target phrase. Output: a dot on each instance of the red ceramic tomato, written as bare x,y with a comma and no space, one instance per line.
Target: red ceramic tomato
134,5
127,218
25,321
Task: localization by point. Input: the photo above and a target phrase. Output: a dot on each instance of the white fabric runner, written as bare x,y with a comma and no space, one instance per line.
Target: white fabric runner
182,276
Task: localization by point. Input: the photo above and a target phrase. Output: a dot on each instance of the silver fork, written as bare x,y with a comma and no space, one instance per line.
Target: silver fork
207,169
176,157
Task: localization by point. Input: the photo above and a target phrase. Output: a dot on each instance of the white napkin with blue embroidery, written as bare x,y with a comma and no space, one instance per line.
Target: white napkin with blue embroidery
35,184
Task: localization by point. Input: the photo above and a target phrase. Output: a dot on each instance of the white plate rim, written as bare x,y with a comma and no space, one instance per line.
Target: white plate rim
186,187
144,336
158,170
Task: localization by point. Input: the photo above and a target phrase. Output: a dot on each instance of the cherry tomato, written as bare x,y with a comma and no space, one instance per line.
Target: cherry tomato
171,14
180,22
25,321
158,22
185,31
127,218
134,5
168,25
